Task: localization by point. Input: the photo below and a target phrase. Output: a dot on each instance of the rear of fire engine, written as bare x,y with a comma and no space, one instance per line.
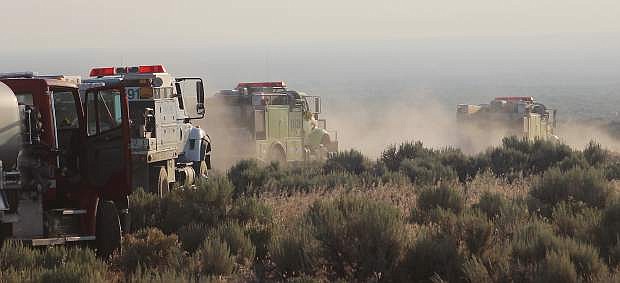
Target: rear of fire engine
268,121
520,116
167,150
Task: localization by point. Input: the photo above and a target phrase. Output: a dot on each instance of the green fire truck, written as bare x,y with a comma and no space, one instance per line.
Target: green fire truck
267,121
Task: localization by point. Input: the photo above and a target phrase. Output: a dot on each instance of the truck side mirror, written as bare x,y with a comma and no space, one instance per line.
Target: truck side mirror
200,99
191,91
317,105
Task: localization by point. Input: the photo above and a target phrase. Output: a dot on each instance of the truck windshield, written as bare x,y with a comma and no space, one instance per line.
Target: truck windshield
66,113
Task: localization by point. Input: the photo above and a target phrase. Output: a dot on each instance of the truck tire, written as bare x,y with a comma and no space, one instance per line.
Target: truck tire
108,233
159,181
276,154
203,170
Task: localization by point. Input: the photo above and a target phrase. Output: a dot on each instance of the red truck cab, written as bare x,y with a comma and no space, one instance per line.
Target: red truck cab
74,156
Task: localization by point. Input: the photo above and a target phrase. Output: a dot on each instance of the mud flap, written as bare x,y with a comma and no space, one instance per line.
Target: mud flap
108,234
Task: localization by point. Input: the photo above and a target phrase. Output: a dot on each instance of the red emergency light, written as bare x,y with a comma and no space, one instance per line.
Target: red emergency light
516,98
100,72
111,71
151,69
262,84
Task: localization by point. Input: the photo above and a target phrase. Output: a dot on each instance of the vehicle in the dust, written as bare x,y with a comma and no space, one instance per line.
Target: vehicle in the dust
64,164
269,122
520,116
167,150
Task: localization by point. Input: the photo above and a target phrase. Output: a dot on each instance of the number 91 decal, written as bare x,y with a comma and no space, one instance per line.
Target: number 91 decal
133,93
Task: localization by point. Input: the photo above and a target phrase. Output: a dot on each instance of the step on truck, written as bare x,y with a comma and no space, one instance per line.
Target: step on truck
269,122
64,170
167,150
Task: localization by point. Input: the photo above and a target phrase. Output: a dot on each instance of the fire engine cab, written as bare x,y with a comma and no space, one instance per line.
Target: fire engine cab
167,151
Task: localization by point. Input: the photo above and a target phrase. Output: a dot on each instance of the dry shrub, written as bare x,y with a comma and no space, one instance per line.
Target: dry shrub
535,241
474,271
476,232
610,233
295,251
192,236
214,258
433,254
150,248
393,156
427,171
19,263
492,204
239,243
251,210
351,161
576,220
248,176
586,185
145,210
443,196
208,204
360,237
557,267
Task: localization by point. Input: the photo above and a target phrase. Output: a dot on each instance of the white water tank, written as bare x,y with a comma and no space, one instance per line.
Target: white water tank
10,127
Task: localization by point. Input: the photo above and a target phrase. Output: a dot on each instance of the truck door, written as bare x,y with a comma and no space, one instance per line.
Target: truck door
107,141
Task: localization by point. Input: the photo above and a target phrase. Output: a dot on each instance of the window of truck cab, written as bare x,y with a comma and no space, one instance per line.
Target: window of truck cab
24,99
103,111
65,110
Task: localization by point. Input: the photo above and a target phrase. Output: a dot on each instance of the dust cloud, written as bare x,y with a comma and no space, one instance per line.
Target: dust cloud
231,141
371,124
579,134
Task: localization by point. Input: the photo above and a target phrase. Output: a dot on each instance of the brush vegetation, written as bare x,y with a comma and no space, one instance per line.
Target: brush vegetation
520,212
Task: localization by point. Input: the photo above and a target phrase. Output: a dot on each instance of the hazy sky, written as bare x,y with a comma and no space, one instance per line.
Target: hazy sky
46,24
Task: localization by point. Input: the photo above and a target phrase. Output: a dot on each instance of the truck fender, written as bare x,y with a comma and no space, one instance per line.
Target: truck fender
194,148
277,152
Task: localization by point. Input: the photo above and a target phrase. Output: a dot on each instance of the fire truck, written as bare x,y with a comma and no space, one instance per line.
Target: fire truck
64,175
269,122
520,116
167,151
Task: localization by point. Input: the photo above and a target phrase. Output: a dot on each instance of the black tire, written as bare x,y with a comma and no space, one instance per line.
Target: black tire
5,232
159,181
108,234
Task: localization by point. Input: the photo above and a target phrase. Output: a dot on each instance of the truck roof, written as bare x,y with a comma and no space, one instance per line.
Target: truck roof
49,81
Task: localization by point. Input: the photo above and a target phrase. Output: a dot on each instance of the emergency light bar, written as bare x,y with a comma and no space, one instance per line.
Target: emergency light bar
262,84
100,72
151,69
111,71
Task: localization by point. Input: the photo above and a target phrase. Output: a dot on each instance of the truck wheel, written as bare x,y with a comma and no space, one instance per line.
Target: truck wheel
277,155
159,181
108,233
5,232
203,170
